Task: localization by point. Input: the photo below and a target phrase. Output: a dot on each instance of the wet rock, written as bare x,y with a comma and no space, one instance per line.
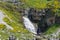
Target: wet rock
57,20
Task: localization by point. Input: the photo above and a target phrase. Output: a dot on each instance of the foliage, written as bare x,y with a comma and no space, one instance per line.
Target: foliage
2,26
18,29
15,16
35,3
52,29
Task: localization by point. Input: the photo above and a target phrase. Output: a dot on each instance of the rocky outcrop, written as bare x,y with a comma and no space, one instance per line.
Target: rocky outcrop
43,17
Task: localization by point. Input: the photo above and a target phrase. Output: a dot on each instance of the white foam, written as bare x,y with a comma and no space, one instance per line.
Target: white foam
28,24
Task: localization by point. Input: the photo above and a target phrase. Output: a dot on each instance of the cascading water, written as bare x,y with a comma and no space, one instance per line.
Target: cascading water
28,24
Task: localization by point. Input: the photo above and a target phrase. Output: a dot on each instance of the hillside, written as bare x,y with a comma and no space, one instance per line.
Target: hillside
11,22
12,19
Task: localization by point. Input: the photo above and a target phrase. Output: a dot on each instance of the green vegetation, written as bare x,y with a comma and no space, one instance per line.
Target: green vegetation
42,4
52,29
3,34
2,26
16,27
14,20
19,31
35,3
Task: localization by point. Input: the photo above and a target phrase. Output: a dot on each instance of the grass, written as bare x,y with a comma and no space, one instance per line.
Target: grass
52,29
18,29
15,26
3,34
35,3
2,26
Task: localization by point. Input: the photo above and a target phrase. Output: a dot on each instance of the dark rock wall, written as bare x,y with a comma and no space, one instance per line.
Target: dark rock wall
57,20
44,18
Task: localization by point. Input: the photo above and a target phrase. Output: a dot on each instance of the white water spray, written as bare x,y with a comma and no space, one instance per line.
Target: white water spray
28,24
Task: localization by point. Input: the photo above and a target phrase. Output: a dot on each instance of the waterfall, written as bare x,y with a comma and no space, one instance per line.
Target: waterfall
29,25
